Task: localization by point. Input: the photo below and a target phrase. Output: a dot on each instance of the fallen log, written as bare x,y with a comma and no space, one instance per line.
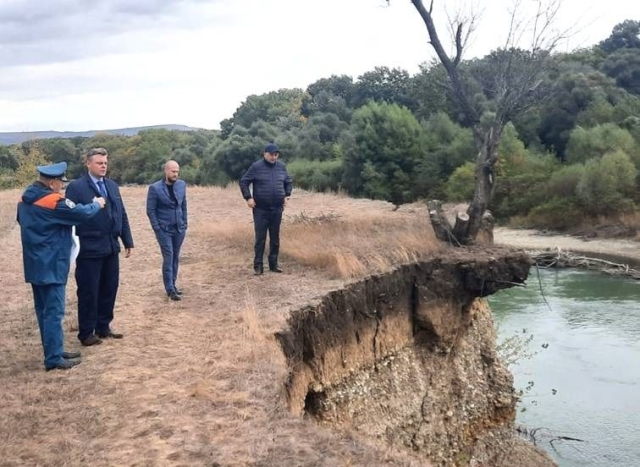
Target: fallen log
557,258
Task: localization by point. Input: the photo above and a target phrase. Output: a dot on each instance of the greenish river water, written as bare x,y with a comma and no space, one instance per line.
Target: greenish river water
586,382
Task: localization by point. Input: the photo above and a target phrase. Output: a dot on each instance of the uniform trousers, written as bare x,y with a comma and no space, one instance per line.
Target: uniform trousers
49,304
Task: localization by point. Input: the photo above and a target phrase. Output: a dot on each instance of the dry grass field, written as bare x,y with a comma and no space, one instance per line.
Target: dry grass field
197,382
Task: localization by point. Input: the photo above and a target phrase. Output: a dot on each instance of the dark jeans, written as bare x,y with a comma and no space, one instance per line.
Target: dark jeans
267,220
49,304
170,244
97,280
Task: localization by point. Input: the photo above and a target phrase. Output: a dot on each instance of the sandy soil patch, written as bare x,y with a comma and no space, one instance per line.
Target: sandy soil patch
618,249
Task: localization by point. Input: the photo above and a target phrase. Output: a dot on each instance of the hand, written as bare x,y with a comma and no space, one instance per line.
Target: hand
127,252
101,201
251,203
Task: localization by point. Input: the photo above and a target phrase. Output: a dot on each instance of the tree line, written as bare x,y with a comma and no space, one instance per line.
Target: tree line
389,135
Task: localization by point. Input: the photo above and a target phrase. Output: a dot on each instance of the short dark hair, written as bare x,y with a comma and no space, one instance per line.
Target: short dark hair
96,152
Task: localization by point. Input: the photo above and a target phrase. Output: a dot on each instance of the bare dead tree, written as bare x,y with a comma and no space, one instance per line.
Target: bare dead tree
514,87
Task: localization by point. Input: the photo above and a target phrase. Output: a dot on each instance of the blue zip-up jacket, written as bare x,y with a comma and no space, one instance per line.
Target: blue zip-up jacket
271,184
45,219
99,236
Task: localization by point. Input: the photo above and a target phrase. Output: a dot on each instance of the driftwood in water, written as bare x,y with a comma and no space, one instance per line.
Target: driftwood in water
565,259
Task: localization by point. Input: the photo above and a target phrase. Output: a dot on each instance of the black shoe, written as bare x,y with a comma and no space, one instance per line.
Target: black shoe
177,290
65,364
257,271
110,335
275,269
71,355
175,296
91,340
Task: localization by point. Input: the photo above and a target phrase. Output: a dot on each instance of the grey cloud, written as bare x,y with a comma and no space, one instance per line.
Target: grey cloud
61,30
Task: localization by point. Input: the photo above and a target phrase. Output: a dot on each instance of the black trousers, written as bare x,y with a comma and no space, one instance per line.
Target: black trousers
97,280
267,220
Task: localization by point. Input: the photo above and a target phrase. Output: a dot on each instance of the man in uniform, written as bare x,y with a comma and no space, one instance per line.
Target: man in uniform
46,219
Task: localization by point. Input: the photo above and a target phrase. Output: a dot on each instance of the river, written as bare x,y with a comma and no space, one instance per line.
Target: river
583,380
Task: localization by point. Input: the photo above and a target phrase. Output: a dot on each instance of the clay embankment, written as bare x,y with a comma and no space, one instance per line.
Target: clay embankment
409,357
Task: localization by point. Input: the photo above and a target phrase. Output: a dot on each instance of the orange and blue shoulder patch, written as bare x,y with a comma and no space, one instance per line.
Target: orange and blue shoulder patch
49,201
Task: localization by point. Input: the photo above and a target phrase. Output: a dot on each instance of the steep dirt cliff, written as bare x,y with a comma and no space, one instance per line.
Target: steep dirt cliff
409,357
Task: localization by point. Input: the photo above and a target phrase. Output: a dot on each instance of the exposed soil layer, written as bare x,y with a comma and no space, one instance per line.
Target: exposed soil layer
409,357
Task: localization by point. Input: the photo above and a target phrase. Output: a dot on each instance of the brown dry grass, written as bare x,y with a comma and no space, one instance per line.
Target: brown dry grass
196,382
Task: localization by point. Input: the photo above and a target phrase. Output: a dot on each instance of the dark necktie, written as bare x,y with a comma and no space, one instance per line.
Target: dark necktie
103,191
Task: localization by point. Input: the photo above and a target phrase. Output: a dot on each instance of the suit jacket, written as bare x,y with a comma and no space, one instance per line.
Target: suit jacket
165,213
99,235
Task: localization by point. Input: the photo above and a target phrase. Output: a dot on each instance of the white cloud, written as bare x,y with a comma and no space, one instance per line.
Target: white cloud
132,62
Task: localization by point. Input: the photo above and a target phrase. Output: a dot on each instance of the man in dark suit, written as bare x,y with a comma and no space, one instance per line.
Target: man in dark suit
270,190
167,212
97,266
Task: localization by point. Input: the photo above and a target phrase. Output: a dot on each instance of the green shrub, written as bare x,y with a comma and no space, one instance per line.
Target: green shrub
558,213
316,175
461,184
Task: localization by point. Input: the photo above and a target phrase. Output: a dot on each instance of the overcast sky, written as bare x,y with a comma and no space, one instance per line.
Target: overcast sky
99,64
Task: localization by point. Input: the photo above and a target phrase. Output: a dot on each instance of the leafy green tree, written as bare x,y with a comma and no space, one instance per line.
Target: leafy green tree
388,143
608,184
460,185
280,108
383,85
589,143
447,147
430,92
318,136
625,35
234,156
574,90
329,95
317,175
522,176
8,158
29,156
624,66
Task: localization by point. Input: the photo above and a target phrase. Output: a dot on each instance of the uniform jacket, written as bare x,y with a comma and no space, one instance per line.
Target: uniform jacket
271,184
99,236
164,213
45,220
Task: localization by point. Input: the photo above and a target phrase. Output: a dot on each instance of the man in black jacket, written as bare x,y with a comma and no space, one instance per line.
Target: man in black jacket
271,186
97,265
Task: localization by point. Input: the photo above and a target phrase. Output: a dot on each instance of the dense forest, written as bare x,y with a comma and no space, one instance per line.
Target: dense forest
389,135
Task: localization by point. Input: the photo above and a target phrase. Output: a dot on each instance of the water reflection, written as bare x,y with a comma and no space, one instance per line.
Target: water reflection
586,372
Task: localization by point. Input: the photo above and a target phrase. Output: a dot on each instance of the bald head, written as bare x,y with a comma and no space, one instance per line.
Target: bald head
171,172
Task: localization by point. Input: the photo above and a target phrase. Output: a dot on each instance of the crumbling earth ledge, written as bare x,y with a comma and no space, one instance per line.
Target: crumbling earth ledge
409,357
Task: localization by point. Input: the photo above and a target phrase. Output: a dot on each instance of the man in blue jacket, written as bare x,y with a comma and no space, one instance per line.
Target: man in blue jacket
167,212
46,219
271,186
97,265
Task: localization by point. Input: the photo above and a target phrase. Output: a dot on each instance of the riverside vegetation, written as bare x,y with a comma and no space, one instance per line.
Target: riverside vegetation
570,163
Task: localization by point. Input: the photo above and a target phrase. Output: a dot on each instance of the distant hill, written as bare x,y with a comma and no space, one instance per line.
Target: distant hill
19,137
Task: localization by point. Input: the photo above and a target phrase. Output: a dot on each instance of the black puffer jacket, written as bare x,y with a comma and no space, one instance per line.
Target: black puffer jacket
271,184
